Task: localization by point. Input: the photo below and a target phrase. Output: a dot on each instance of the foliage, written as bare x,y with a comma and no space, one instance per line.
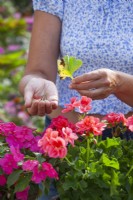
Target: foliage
14,41
108,174
25,6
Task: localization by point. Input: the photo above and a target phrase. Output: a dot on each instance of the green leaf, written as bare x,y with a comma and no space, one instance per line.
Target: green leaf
82,150
70,182
22,183
1,172
12,178
73,63
129,187
79,164
114,183
82,185
109,163
110,142
12,60
67,66
106,178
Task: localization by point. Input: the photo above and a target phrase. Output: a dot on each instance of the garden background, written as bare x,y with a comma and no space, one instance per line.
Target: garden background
16,19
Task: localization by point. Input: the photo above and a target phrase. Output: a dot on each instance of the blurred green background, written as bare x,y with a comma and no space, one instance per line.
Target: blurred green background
16,19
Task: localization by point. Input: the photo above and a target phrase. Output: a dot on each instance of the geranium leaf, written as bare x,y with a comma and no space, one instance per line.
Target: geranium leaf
109,163
82,150
114,182
67,66
110,142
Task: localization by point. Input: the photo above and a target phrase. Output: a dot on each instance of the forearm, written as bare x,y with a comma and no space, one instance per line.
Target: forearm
125,88
44,46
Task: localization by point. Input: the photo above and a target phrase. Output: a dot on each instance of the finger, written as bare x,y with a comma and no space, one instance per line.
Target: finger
54,105
41,108
96,94
94,75
54,101
48,107
28,97
33,110
88,85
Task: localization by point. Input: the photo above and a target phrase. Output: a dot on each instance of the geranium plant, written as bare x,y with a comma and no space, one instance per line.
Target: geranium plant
90,165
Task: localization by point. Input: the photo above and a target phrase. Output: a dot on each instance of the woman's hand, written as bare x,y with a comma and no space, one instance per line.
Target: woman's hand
40,95
97,84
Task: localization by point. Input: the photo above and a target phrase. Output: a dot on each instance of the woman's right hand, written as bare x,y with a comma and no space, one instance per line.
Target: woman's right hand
40,95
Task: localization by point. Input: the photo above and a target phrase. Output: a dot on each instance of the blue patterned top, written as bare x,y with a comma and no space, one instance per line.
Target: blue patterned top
100,32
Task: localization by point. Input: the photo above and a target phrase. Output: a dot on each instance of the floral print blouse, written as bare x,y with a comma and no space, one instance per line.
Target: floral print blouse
100,32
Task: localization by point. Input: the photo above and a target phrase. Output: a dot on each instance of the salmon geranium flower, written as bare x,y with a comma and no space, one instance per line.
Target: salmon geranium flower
90,124
52,144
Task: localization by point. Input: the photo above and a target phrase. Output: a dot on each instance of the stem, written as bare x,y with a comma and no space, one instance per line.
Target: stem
68,161
88,151
131,168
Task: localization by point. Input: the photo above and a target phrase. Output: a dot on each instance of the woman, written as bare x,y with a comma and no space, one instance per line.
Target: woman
100,33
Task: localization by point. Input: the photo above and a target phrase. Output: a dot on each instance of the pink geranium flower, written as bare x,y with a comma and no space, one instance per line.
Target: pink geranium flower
83,105
43,171
8,163
29,165
21,136
57,149
69,136
2,180
69,107
52,144
7,128
90,124
34,144
40,171
115,118
61,122
49,170
23,195
17,155
129,123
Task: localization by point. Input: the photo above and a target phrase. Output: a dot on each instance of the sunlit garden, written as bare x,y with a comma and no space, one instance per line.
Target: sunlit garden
15,29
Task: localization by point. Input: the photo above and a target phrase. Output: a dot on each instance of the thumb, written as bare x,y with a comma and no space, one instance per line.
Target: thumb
28,97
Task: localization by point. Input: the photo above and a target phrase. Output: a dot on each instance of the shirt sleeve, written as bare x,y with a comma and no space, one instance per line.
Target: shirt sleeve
54,7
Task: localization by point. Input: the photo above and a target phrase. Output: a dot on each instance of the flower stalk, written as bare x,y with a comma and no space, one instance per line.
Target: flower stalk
88,151
68,161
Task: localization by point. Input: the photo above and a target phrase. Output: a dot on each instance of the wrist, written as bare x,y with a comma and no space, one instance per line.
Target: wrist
121,78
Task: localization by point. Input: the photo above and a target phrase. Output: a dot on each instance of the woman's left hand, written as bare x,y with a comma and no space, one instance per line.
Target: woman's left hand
97,84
